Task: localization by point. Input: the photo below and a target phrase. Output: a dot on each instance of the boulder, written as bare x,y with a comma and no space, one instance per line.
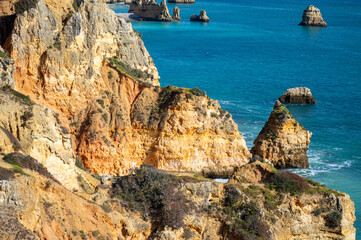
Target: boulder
150,10
283,141
298,95
256,172
176,16
312,17
201,18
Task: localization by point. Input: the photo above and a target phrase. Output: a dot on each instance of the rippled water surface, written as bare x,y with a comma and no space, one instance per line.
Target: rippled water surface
252,51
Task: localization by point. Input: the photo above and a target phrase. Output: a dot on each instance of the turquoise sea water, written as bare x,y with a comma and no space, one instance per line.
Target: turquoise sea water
252,51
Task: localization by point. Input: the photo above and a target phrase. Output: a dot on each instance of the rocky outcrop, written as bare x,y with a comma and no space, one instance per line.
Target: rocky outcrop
176,16
150,10
282,140
182,1
7,69
298,95
312,17
118,1
36,131
154,204
64,47
202,17
256,172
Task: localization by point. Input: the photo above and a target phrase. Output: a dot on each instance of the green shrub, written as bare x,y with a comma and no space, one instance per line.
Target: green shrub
80,164
21,97
197,92
333,220
288,182
3,55
24,5
126,69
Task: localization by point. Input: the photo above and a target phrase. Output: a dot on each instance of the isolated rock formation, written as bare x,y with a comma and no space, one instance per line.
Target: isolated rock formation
201,18
176,16
312,17
150,10
282,140
298,95
182,1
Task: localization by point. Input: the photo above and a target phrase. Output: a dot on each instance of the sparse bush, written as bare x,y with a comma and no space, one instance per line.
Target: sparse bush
79,164
288,182
21,97
333,220
197,92
24,5
27,115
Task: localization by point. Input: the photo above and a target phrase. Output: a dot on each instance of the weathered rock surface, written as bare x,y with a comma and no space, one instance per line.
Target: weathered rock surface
176,16
118,1
312,17
7,69
150,10
182,1
298,95
283,141
34,207
64,47
256,172
202,17
35,130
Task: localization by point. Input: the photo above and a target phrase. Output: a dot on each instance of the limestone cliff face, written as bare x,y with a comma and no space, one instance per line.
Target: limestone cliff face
7,69
35,130
59,49
171,128
191,208
283,141
312,17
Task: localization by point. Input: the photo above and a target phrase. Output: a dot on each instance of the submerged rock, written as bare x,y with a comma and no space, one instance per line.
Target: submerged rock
283,141
202,17
150,10
312,17
298,95
176,16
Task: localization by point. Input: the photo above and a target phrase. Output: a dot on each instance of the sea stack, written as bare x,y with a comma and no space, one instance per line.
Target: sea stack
283,141
150,10
176,16
182,1
201,18
312,17
298,95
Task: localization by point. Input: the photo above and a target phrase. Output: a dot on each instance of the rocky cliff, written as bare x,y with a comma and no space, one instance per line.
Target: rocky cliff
92,69
150,10
312,17
283,140
298,95
155,205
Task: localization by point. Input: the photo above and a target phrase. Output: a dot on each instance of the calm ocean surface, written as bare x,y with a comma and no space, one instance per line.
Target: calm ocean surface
252,51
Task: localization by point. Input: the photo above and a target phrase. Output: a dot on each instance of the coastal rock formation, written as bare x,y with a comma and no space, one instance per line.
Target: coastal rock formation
118,1
150,10
312,17
298,95
59,51
157,205
176,16
282,140
256,172
182,1
7,69
201,18
35,130
96,73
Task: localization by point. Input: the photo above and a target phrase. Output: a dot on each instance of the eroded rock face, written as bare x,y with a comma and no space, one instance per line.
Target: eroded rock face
202,17
312,17
150,10
256,172
283,141
171,128
35,130
298,95
64,46
7,69
176,16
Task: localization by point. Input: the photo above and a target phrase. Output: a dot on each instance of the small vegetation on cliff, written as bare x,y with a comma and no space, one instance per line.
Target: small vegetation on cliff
3,55
288,182
126,69
333,220
24,5
197,92
21,97
154,194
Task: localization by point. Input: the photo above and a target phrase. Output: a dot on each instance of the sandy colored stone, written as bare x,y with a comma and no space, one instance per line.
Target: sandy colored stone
298,95
176,16
256,172
150,10
202,17
283,140
312,17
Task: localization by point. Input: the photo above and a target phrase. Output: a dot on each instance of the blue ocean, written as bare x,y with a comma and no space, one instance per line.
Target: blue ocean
253,51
